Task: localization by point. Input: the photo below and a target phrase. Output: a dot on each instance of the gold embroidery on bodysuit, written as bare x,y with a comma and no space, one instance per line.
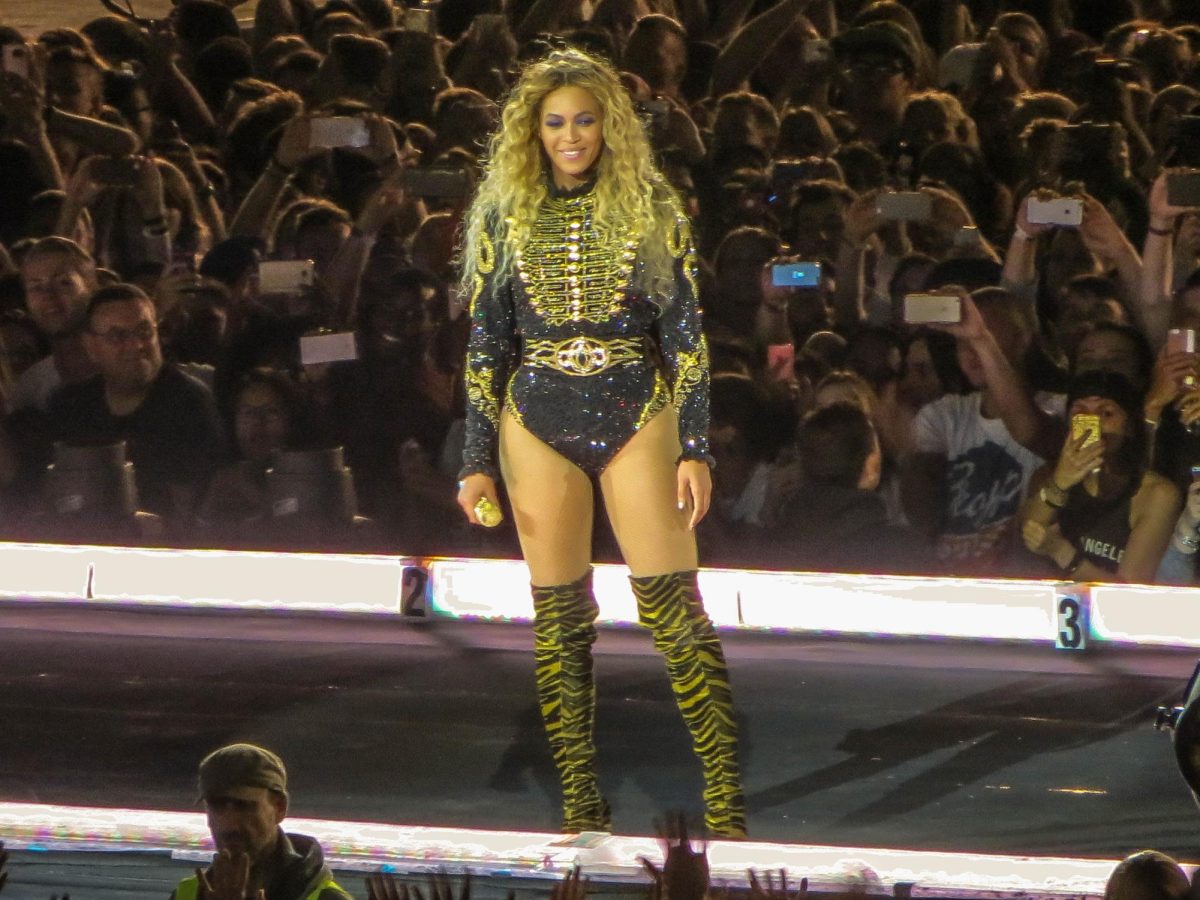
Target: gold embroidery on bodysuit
680,246
570,272
481,392
657,402
485,263
510,404
690,368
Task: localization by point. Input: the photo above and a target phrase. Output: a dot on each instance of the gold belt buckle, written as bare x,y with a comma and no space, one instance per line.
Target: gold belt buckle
582,356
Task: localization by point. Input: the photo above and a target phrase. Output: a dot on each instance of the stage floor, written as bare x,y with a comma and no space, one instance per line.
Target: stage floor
962,747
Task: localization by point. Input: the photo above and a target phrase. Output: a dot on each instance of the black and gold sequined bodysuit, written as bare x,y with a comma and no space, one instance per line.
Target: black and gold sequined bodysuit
566,344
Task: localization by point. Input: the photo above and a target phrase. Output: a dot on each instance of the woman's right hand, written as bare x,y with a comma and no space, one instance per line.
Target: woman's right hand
471,488
1077,462
1189,408
1171,371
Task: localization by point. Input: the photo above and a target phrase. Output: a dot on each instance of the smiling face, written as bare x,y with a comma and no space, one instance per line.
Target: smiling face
572,133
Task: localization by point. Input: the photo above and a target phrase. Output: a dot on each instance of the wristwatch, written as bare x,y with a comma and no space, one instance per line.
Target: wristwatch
1052,495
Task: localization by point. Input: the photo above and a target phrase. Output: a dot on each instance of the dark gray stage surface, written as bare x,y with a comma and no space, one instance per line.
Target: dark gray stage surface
918,745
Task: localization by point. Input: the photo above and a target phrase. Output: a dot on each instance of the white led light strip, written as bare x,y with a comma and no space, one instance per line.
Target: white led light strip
366,846
499,589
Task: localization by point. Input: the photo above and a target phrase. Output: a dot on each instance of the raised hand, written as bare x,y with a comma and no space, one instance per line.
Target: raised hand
24,101
1077,462
385,204
1162,213
774,890
684,875
572,887
1172,372
385,886
1100,232
295,143
228,878
863,218
148,188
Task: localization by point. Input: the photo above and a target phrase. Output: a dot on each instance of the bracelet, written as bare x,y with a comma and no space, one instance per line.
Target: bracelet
205,191
1153,423
1161,232
1193,542
154,222
1044,495
1183,547
1021,234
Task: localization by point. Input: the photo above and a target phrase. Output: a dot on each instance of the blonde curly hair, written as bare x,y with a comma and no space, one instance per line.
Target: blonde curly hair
630,191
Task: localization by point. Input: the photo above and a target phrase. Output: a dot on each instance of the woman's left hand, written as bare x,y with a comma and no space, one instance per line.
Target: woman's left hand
694,482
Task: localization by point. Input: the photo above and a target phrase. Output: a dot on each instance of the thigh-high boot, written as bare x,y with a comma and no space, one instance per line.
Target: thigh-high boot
564,631
670,606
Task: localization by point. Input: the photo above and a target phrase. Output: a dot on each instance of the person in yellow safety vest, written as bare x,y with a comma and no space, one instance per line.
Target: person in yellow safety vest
244,791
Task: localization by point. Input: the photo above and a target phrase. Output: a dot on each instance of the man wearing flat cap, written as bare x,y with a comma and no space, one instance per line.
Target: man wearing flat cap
244,791
879,64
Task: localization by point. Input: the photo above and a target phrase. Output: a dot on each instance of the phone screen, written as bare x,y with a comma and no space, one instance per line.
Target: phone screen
805,274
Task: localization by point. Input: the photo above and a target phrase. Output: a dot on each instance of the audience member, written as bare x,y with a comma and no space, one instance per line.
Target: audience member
974,454
168,420
836,520
1147,875
1096,512
245,794
59,277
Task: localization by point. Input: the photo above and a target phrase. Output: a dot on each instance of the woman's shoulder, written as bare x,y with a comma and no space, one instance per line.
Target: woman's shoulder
1156,491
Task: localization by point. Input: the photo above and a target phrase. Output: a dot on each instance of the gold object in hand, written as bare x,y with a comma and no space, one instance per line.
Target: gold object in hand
488,513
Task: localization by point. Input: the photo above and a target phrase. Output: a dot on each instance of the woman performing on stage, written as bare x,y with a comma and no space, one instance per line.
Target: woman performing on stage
586,360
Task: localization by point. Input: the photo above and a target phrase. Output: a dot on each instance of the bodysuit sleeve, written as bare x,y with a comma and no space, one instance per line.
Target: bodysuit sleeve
489,360
685,349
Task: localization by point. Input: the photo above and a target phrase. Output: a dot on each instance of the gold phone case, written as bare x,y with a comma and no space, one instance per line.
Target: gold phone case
1085,424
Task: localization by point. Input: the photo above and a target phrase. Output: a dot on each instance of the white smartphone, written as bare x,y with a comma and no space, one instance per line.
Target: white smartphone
932,309
328,348
905,206
289,276
338,131
1181,340
15,59
1063,211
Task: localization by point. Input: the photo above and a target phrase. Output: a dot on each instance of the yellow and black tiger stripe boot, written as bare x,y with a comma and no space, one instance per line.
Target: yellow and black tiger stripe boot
563,633
670,606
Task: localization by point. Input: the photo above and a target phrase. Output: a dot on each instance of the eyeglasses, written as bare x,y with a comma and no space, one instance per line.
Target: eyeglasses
115,337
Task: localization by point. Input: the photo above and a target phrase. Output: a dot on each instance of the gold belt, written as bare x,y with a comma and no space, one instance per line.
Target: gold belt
584,355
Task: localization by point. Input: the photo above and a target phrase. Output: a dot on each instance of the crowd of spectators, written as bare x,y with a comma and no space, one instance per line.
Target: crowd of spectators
229,314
